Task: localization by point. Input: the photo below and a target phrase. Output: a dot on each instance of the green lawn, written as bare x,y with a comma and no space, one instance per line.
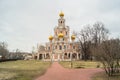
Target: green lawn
81,64
103,76
22,70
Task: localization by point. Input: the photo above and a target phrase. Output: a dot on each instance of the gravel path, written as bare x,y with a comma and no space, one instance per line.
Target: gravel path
57,72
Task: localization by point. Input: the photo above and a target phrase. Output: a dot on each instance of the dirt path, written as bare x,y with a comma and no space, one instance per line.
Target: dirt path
57,72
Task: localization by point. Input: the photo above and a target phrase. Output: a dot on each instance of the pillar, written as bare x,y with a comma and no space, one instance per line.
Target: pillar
67,55
53,57
50,57
43,56
58,57
77,56
70,55
38,56
63,56
80,56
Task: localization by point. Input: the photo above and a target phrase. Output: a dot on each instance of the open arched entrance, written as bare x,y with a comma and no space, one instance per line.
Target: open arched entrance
65,56
40,56
47,56
35,57
74,56
69,55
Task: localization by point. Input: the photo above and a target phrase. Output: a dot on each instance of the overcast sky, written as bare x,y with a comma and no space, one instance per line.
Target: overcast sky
24,23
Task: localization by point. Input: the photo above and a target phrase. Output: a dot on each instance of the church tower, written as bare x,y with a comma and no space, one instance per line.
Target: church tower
61,30
61,20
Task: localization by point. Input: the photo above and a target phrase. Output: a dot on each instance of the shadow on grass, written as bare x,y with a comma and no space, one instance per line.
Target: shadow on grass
79,67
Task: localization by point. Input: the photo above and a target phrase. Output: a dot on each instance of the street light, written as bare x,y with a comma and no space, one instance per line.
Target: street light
72,38
51,45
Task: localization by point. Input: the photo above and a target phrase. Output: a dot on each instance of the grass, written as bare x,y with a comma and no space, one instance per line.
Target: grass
22,70
90,64
103,76
81,64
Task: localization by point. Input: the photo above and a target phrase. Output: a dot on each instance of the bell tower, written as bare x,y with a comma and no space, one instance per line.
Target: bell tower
61,20
61,29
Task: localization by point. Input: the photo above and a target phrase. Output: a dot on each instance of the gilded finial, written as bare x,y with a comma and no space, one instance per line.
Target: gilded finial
61,14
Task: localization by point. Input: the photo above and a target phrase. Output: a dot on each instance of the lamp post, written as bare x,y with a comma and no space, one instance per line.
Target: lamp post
51,45
72,38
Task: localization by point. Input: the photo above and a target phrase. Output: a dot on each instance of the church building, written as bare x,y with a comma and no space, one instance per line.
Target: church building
61,46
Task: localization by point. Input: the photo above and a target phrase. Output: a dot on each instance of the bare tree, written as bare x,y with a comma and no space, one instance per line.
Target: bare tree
99,33
84,37
94,42
90,37
108,53
3,49
41,48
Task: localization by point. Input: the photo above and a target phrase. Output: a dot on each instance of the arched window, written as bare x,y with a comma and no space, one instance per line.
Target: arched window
73,47
56,47
48,48
60,47
66,33
64,46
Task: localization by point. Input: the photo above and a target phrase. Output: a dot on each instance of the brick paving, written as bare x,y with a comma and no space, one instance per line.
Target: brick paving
57,72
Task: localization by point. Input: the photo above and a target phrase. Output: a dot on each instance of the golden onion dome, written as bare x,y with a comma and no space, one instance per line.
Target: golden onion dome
73,37
61,14
50,37
60,35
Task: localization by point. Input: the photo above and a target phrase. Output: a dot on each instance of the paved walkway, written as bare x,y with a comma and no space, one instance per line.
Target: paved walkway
57,72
